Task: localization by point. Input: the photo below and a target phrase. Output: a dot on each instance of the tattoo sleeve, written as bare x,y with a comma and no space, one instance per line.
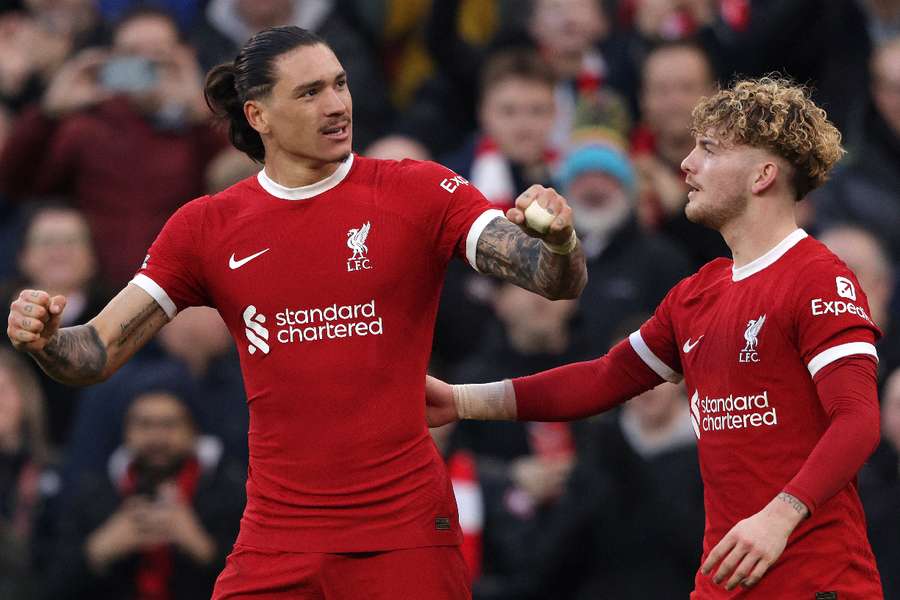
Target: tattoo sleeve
506,251
80,356
75,355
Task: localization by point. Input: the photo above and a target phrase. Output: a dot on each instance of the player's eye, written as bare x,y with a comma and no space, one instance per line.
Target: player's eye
342,83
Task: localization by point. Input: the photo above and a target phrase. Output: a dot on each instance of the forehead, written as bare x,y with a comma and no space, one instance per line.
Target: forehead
145,32
156,404
306,64
514,87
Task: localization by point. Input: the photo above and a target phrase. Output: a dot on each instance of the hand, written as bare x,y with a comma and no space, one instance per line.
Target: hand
75,86
753,545
33,319
181,526
560,229
180,83
123,534
440,408
540,478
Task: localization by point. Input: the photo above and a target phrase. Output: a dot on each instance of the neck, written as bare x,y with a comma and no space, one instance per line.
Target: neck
759,230
288,171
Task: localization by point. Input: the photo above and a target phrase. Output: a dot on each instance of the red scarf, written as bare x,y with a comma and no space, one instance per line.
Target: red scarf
491,173
155,569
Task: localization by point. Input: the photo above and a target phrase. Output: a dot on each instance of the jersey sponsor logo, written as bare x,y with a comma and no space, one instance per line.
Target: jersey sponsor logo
688,346
845,288
256,333
836,308
336,321
751,336
356,241
731,412
301,325
234,263
452,184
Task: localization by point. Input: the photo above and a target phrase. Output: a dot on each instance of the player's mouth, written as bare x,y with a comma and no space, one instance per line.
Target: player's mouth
337,132
694,187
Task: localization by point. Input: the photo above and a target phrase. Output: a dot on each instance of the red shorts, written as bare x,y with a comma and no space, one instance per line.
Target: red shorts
432,573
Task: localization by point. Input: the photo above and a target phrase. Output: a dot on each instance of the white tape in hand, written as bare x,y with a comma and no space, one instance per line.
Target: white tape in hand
538,218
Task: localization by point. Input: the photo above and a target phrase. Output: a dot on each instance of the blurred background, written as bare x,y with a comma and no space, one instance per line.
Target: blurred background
133,489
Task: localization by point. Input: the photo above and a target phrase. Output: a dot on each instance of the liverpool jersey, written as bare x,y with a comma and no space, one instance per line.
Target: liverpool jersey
748,342
330,292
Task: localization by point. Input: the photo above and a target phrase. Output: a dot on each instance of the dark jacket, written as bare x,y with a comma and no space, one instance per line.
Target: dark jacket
218,502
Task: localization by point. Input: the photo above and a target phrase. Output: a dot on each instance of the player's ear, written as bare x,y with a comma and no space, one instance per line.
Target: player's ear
255,112
764,177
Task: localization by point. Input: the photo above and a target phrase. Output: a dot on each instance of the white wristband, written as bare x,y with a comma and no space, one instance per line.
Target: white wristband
485,401
564,248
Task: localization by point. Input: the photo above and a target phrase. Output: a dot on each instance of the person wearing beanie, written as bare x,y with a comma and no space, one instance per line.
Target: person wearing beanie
628,269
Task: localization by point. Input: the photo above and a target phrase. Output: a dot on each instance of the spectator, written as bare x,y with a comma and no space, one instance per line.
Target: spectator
675,76
35,44
521,467
161,521
127,138
194,350
23,457
636,482
229,23
879,483
57,253
866,256
512,149
570,35
866,189
628,269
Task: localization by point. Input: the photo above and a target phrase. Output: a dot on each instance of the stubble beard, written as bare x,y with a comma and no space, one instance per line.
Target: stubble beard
716,215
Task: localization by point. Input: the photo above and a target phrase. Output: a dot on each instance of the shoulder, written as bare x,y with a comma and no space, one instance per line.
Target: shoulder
418,175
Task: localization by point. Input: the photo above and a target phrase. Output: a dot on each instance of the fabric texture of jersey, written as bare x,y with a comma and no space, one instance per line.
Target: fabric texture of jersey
330,292
749,342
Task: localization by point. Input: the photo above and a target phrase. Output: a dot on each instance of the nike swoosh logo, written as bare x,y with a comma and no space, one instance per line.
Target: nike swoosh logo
688,346
236,264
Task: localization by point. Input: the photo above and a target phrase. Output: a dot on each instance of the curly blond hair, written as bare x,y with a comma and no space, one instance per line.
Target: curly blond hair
776,114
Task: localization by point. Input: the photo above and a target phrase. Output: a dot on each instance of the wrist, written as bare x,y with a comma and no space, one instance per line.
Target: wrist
789,509
485,401
564,248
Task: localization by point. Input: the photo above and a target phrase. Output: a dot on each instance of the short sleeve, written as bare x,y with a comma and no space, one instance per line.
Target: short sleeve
171,271
655,341
464,211
832,317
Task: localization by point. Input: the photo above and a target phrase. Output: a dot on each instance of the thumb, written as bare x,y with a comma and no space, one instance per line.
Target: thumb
57,304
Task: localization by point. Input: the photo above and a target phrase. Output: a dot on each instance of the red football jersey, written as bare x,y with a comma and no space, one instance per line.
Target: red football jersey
748,342
331,291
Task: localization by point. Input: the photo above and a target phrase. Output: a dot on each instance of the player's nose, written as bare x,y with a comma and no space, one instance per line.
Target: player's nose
687,165
334,103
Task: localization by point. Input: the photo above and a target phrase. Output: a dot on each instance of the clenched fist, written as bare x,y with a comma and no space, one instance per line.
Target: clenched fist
33,319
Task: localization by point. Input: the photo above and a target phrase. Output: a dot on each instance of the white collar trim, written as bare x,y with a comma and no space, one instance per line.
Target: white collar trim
769,258
305,192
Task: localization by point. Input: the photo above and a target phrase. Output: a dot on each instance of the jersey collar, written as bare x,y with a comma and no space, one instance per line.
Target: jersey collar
769,258
306,191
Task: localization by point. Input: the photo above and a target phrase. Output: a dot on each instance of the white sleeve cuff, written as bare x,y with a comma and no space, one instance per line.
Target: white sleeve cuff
158,294
475,232
653,361
826,357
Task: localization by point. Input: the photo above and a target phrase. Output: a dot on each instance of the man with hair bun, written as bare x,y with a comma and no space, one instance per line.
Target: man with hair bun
327,268
776,347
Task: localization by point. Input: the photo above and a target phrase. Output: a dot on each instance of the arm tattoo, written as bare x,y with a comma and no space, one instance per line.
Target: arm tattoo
794,503
506,251
75,356
136,329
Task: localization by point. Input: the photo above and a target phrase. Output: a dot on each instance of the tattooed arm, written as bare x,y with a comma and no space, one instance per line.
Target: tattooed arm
513,251
83,354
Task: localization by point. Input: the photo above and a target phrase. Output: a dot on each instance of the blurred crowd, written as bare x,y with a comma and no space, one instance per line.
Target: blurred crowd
134,488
